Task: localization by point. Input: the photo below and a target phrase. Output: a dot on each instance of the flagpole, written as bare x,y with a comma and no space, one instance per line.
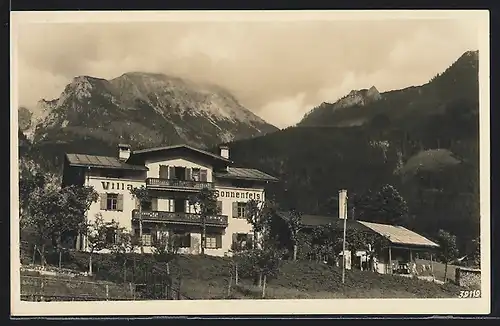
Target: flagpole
344,216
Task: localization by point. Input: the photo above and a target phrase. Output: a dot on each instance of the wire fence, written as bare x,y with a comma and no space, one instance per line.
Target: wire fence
43,288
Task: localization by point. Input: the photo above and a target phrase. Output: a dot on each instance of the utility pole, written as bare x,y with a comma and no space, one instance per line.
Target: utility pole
343,215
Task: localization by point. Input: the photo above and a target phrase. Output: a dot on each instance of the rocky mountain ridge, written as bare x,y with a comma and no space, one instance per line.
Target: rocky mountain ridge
144,109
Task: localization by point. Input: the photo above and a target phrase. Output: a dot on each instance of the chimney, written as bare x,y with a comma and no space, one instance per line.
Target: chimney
224,152
123,152
342,204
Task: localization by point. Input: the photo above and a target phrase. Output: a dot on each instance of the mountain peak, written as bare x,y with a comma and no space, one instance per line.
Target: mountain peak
358,97
148,109
458,82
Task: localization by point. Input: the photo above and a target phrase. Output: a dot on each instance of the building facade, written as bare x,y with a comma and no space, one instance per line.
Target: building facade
172,175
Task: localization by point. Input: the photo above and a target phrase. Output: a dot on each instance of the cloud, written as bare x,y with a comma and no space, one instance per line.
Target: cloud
279,70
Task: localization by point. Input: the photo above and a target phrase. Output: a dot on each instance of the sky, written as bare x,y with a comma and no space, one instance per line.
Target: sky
278,69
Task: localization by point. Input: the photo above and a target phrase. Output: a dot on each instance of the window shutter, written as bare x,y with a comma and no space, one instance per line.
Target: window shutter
188,174
154,204
203,175
164,171
103,202
234,242
137,203
219,207
119,202
171,172
189,240
235,209
218,241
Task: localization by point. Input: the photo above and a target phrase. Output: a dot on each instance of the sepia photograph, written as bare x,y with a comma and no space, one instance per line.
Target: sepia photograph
255,162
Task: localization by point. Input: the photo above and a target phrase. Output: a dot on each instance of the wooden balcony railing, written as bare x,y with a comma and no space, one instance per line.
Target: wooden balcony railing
181,218
178,184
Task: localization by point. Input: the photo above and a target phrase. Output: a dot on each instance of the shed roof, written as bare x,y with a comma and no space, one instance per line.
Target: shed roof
399,235
107,162
311,221
245,174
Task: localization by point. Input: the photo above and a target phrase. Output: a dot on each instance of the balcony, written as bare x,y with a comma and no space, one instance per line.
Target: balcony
179,218
175,184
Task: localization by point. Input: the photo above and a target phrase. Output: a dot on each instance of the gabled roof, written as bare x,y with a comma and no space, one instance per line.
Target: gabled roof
245,174
399,235
174,147
105,162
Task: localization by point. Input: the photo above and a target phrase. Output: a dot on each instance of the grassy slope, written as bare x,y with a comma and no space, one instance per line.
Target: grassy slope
71,286
207,278
438,269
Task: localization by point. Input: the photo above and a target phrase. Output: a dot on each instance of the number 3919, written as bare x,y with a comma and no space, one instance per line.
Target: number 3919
470,294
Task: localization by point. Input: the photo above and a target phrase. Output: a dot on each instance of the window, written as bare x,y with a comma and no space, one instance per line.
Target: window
146,240
192,208
183,239
241,207
213,241
146,237
170,204
111,202
110,236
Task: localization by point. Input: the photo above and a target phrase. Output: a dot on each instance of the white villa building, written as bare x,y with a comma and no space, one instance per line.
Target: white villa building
171,174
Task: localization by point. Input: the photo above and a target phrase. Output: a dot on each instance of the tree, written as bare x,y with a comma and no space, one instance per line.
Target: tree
326,243
125,244
97,236
294,226
131,243
54,212
258,214
262,261
476,253
205,204
261,264
448,248
384,206
142,195
29,182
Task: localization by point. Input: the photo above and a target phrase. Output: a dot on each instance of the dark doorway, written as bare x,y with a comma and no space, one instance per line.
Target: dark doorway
180,205
180,173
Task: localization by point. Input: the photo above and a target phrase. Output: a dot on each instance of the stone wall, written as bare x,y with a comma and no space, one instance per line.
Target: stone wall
468,277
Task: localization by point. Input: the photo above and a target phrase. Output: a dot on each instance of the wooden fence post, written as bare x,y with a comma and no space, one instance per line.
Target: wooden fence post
229,284
179,289
131,290
264,286
41,289
107,292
